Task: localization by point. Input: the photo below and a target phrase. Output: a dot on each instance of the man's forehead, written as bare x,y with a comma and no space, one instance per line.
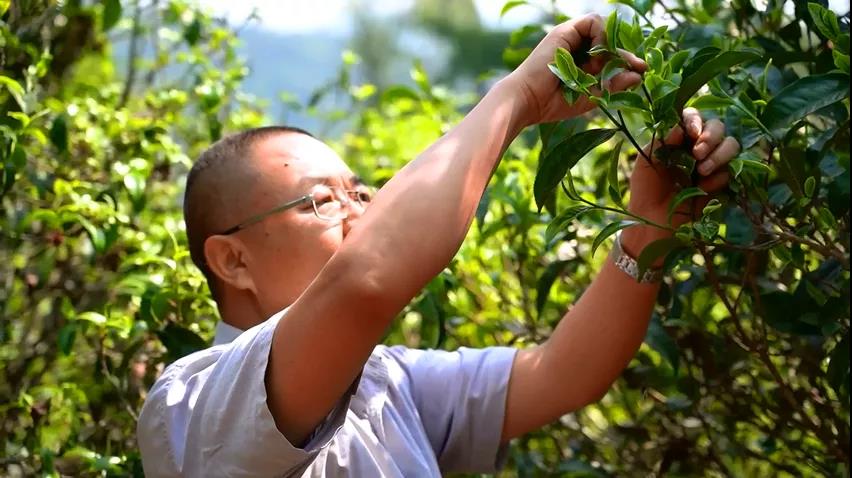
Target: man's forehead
299,156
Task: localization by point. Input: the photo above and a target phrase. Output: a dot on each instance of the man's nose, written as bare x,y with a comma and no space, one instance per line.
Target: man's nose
354,211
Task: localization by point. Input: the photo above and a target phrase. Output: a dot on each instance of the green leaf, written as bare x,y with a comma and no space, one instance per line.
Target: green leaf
510,5
711,206
520,34
736,166
180,341
111,15
652,39
825,20
709,102
801,98
93,317
630,36
624,100
612,26
565,64
838,367
682,196
545,282
562,158
738,227
609,230
842,44
654,57
826,218
571,190
66,338
708,229
598,50
709,70
655,250
562,220
399,92
841,61
192,33
512,57
659,339
700,57
677,60
15,89
810,184
19,157
482,207
59,133
612,175
96,234
433,322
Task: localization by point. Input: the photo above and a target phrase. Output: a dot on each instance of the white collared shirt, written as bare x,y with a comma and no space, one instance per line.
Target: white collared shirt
413,413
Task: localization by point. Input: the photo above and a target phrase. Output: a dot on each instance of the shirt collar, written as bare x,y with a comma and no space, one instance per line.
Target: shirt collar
227,333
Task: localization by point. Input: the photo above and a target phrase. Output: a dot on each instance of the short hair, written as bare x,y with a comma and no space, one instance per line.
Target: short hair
235,147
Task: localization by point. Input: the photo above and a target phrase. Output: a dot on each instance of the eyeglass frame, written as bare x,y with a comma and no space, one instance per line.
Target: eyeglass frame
288,205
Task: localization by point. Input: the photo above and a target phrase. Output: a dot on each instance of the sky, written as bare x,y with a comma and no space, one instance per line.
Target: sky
311,15
293,16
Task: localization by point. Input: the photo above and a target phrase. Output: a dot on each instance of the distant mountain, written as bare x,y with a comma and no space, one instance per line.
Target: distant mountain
292,63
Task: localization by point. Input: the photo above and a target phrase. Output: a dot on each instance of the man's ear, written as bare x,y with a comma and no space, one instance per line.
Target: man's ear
227,257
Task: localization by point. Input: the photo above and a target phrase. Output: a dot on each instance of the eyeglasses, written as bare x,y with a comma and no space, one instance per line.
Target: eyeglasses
329,205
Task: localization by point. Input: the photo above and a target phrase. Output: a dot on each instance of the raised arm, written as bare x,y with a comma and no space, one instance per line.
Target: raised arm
600,334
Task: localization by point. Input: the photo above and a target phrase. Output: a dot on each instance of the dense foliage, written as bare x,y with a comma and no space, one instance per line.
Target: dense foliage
745,369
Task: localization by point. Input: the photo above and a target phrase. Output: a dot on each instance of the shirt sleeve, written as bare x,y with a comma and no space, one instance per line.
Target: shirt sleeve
207,416
461,399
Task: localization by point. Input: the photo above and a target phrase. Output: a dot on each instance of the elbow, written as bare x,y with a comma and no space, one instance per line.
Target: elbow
360,277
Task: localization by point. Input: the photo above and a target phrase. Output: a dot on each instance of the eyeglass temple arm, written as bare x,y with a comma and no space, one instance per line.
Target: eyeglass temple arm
259,217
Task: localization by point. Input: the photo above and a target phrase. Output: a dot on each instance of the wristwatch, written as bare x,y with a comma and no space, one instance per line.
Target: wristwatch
629,265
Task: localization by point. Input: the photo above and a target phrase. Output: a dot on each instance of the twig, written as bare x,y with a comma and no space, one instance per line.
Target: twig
618,211
623,128
131,55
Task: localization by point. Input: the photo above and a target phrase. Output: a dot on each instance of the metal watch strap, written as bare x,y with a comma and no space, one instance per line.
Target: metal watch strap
629,265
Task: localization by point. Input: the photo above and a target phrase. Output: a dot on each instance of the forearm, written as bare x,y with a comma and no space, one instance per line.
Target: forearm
418,220
587,351
599,335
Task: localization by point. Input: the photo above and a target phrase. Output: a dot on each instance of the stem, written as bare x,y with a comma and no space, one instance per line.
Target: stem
647,93
131,56
666,9
623,212
623,128
654,130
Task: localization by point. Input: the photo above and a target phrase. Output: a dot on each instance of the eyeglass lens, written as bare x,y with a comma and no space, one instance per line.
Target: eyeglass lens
331,207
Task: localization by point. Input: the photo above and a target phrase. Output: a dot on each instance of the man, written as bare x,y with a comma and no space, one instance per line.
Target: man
307,279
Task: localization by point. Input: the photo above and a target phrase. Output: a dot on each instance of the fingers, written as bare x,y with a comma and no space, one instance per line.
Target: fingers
714,132
573,32
693,122
721,156
635,63
590,26
623,81
675,136
715,182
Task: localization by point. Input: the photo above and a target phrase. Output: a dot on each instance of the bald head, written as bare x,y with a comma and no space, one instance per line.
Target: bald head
216,187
